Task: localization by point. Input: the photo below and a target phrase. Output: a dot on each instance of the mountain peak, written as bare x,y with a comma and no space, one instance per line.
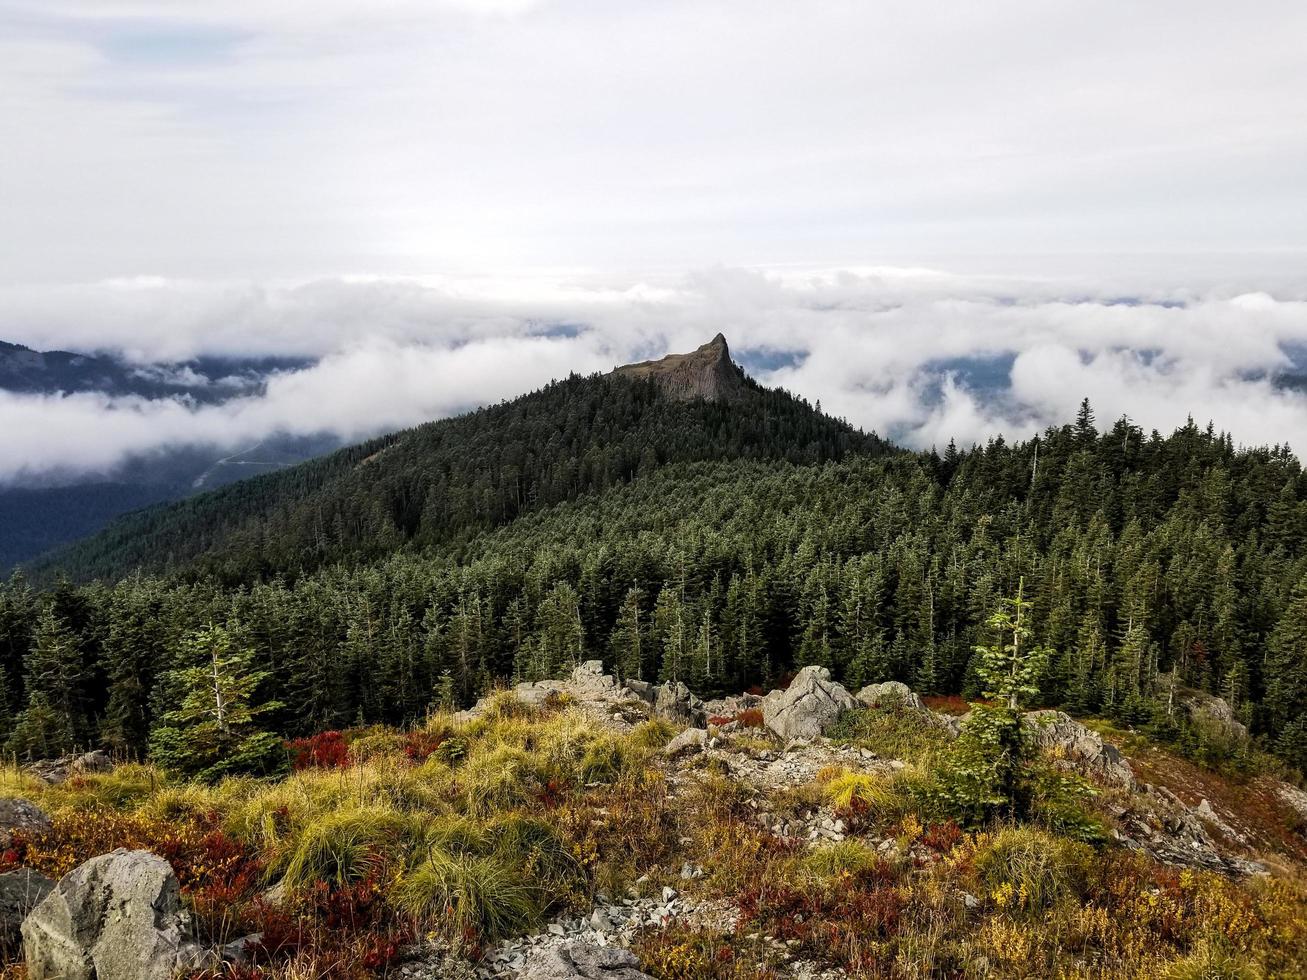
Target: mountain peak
707,373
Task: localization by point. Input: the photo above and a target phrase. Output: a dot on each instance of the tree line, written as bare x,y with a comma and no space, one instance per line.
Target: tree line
1147,561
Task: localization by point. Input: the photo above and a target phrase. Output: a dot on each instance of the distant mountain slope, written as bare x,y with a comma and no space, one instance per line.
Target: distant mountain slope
205,380
458,476
37,517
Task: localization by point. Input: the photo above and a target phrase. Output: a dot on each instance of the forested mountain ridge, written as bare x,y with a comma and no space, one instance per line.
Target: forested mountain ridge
456,476
721,542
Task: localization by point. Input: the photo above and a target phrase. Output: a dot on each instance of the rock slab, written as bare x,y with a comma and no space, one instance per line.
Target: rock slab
582,961
20,892
116,917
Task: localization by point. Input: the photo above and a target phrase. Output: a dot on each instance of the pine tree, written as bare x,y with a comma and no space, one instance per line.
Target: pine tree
1286,680
988,772
627,642
55,672
215,730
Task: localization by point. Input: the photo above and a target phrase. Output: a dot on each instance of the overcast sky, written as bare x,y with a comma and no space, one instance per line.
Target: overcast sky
384,183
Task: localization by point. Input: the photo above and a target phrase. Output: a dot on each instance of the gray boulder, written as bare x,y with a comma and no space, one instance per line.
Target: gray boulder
20,892
689,741
644,690
808,707
116,917
1061,735
578,960
892,694
20,815
676,702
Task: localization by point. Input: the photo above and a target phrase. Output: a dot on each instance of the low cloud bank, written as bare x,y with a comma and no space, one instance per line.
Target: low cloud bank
919,355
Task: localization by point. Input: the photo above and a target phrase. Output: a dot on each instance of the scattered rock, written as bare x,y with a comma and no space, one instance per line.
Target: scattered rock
20,892
240,950
1059,733
808,707
20,815
1204,812
582,961
116,917
55,771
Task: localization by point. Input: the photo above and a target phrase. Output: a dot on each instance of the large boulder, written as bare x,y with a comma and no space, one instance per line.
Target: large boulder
20,892
20,815
676,702
116,917
1061,735
578,960
808,706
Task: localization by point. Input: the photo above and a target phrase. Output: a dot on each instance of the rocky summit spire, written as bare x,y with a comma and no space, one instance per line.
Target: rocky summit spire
707,373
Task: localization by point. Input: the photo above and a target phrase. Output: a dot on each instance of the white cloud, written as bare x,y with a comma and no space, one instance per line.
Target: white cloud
888,349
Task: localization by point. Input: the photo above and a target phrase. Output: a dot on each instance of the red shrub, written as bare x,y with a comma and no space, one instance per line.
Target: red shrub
748,718
942,837
837,923
420,745
949,704
325,750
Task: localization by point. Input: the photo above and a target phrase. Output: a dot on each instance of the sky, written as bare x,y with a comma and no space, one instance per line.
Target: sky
447,202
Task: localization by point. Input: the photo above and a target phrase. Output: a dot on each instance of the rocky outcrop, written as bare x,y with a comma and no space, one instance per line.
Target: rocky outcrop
20,816
20,892
582,961
1065,738
116,917
587,680
706,373
808,706
1209,710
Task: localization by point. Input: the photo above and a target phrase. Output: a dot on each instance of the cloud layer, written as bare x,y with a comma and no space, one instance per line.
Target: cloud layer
307,138
917,354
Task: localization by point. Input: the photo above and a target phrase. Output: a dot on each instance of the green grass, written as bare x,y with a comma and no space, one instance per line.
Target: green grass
892,733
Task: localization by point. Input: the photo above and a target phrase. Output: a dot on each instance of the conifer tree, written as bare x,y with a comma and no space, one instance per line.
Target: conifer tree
1286,680
216,729
988,772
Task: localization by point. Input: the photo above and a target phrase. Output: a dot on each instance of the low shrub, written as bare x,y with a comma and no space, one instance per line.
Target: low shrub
652,734
348,846
473,897
325,750
1211,961
1028,870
